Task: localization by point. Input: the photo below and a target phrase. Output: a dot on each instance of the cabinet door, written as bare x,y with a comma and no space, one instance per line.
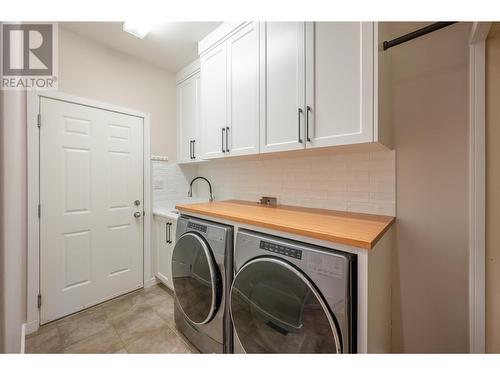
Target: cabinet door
161,243
243,91
340,83
165,246
283,54
213,101
188,118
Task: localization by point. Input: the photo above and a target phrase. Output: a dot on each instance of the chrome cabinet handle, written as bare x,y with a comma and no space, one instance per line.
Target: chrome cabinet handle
308,109
190,149
166,232
227,138
194,154
223,130
298,116
137,214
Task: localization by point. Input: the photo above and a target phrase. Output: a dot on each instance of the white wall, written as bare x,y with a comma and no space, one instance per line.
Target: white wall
358,182
92,70
430,121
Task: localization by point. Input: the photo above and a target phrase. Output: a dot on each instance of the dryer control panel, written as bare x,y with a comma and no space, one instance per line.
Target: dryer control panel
280,249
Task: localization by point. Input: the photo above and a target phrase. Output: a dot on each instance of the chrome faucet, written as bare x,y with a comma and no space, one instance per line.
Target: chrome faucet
190,192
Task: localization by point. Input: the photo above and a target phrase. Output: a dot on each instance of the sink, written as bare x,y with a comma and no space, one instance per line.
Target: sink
175,212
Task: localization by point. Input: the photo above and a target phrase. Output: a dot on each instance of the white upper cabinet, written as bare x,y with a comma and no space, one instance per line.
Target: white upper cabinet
213,66
280,86
243,91
230,94
188,111
339,83
283,86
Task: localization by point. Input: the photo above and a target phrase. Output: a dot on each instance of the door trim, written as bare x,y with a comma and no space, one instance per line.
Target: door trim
477,187
33,224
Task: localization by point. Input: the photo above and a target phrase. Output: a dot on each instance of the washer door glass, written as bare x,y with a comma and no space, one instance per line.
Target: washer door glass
195,278
276,309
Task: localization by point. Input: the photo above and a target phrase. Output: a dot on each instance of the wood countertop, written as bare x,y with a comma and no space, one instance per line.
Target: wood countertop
348,228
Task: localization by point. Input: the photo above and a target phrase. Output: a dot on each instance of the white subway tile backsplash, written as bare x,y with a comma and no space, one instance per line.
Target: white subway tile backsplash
171,183
361,182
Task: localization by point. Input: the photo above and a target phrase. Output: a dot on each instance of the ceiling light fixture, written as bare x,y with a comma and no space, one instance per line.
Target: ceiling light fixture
138,29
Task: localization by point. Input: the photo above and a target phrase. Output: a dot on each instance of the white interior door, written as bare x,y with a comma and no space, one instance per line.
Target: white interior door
91,173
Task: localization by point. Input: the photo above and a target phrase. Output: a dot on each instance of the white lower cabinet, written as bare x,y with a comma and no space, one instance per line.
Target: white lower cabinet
165,242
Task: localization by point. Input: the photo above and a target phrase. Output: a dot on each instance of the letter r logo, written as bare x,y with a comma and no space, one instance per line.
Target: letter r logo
27,49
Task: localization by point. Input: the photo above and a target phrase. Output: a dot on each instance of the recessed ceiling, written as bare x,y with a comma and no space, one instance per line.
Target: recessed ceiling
170,45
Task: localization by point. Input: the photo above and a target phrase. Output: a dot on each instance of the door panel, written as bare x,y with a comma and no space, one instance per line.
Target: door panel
283,52
213,100
275,309
91,172
339,85
196,280
165,230
243,90
188,93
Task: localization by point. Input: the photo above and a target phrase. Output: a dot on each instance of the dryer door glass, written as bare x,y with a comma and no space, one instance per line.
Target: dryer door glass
276,309
196,279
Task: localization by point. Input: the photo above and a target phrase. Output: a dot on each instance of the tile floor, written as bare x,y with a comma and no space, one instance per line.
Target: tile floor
139,322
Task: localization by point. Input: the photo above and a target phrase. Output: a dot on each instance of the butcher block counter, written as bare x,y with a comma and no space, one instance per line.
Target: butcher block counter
353,229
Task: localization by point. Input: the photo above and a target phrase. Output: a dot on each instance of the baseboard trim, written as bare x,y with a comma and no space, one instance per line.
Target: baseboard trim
23,338
151,282
32,326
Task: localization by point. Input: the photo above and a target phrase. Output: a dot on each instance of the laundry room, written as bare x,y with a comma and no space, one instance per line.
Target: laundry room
297,185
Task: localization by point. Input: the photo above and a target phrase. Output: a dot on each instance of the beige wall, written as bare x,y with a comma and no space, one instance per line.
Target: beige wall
429,102
94,71
13,218
89,70
493,190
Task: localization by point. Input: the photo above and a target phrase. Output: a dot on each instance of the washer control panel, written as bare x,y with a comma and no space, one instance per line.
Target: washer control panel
198,227
280,249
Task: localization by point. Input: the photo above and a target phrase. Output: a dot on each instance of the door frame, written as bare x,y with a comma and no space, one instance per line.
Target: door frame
33,198
477,187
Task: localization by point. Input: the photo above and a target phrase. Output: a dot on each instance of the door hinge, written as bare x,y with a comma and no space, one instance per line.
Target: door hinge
39,120
39,211
39,300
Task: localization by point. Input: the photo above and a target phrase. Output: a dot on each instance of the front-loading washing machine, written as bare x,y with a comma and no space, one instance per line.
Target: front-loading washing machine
292,297
202,270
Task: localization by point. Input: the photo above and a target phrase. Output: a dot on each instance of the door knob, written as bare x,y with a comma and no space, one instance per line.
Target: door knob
137,214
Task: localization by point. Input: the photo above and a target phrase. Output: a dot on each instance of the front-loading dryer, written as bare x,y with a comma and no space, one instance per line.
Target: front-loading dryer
291,297
202,270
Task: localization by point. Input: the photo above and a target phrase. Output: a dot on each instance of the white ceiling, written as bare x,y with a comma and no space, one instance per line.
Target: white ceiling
170,45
